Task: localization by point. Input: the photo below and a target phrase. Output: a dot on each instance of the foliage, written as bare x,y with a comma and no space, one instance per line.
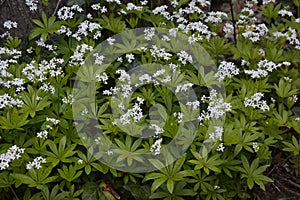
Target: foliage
47,152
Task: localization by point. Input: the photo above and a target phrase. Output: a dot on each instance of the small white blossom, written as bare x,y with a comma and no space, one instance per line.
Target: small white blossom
217,135
52,120
11,154
294,98
215,17
268,1
10,24
226,69
98,58
111,40
255,32
255,146
84,111
285,12
130,57
131,6
66,13
217,107
149,33
221,147
68,99
195,104
42,134
134,114
36,163
256,102
109,152
32,4
155,148
158,130
102,77
184,57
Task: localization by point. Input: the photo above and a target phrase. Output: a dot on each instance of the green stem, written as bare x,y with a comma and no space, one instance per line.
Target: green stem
13,192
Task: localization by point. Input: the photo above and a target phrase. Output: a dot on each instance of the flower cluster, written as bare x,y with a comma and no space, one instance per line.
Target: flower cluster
217,136
155,148
158,130
78,57
7,101
12,153
217,107
66,13
255,32
264,67
32,4
36,163
135,114
226,69
256,102
10,24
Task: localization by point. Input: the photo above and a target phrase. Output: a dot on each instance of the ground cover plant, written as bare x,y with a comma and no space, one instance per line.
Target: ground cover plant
114,99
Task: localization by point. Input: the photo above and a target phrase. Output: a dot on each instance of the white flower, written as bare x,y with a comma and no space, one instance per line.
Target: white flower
256,102
226,69
216,107
155,148
158,130
195,104
264,67
68,99
131,6
285,12
228,29
134,114
96,6
184,57
7,101
11,154
111,1
160,53
143,3
255,146
216,187
32,4
183,87
10,24
255,32
294,98
42,134
52,120
149,33
217,135
102,77
109,152
98,58
130,57
163,11
215,17
124,76
221,147
36,163
84,111
111,40
78,57
268,1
